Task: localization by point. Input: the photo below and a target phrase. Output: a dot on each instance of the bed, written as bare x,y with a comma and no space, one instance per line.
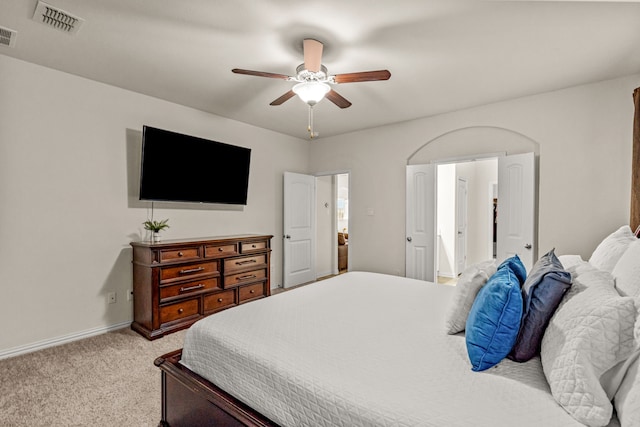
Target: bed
359,349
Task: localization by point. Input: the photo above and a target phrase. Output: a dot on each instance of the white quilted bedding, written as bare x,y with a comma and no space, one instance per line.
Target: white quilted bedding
364,349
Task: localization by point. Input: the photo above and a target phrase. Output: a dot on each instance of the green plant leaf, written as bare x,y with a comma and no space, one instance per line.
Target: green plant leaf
156,226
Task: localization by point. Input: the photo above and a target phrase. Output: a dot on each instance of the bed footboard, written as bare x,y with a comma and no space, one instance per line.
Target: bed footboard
190,400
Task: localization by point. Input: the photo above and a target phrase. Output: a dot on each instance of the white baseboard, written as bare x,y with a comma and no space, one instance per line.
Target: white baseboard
40,345
324,274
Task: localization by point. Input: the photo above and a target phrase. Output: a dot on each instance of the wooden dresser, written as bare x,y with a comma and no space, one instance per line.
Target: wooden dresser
177,282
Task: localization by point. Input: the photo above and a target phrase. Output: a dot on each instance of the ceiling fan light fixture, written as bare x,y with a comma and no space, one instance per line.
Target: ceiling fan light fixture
311,92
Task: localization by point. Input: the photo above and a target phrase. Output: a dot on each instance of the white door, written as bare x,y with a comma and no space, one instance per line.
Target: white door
299,229
516,208
420,222
461,225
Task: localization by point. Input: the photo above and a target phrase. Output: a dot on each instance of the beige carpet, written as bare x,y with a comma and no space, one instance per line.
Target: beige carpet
106,380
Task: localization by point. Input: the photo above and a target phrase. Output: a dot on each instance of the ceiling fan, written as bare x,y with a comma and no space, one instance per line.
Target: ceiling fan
314,81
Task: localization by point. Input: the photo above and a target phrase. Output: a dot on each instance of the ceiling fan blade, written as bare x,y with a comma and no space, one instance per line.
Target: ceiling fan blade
337,99
260,74
283,98
312,54
364,76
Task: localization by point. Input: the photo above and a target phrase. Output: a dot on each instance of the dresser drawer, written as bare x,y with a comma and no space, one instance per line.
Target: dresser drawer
219,300
214,251
185,271
188,287
248,247
179,310
244,262
179,254
251,291
246,277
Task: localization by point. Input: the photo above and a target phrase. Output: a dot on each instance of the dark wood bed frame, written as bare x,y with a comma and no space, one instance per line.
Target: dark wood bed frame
190,400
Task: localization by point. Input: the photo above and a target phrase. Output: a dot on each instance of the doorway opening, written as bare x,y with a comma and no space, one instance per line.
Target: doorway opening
466,215
332,243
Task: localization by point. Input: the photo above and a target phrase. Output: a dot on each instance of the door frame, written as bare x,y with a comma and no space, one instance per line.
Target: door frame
448,161
334,237
467,158
460,253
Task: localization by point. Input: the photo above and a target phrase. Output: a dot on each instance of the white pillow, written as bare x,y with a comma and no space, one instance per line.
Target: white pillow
611,248
627,400
627,271
590,333
585,268
569,261
469,283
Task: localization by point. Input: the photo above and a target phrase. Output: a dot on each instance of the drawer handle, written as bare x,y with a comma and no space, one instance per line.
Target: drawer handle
193,270
180,254
180,311
192,288
253,246
219,299
247,277
220,249
245,262
252,291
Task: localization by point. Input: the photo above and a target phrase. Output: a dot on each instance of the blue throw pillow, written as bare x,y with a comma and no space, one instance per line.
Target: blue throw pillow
542,292
518,268
494,320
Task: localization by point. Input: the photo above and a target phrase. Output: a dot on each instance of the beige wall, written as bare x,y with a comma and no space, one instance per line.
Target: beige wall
68,164
68,150
582,136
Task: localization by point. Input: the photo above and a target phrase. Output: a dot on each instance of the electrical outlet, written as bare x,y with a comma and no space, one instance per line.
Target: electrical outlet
130,295
111,297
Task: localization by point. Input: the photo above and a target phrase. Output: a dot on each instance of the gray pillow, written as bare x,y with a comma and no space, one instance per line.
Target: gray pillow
468,286
542,292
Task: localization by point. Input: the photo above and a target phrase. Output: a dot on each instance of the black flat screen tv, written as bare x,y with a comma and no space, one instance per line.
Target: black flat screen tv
182,168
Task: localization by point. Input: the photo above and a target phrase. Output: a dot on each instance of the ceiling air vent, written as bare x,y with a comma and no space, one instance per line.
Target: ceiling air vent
8,37
57,18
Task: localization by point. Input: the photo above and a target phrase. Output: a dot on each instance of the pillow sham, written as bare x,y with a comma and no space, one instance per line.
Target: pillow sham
584,268
627,271
609,251
569,261
494,320
469,283
627,399
542,292
590,333
516,265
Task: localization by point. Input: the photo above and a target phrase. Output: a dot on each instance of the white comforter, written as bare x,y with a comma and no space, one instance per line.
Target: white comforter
363,349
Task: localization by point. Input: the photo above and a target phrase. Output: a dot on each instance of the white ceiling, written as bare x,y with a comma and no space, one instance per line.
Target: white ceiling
443,55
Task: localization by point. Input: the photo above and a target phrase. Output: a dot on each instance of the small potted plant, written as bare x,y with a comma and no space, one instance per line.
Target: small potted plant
155,227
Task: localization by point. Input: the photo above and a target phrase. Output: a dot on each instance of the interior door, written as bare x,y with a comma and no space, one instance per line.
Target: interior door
299,229
420,222
461,224
516,208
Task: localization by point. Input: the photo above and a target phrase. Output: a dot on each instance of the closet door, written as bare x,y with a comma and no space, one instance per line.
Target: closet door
516,208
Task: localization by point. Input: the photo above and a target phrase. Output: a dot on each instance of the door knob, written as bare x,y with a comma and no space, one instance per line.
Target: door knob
527,246
409,239
286,236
